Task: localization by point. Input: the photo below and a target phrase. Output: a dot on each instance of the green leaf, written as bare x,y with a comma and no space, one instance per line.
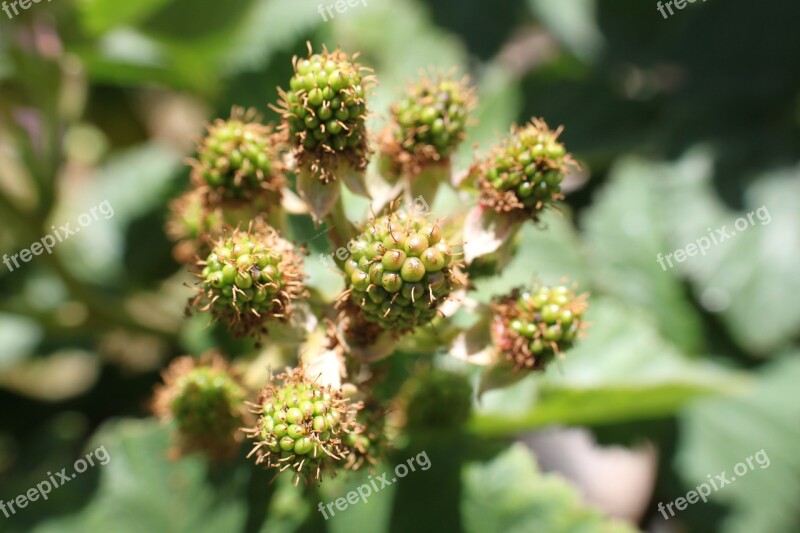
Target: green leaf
141,490
99,16
130,185
510,494
623,371
762,425
625,235
573,23
499,104
370,516
750,277
548,253
252,47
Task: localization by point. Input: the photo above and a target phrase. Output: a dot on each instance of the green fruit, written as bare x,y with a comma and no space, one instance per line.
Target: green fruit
207,403
523,174
534,326
312,443
324,112
249,278
238,159
428,123
401,275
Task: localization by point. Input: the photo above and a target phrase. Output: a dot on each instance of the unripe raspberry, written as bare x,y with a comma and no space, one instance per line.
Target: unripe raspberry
368,443
324,112
435,400
532,327
239,160
250,277
428,124
523,174
189,222
207,403
302,426
400,271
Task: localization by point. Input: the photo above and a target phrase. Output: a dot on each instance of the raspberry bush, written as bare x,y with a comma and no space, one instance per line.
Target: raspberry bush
400,284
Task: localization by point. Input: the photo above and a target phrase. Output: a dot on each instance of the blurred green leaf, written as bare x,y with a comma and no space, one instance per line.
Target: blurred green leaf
549,253
252,47
499,103
623,371
141,490
720,433
18,336
624,234
573,23
750,277
371,516
132,183
100,16
510,494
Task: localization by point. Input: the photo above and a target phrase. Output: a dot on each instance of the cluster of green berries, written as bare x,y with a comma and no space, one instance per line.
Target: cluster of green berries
302,426
523,175
429,123
248,278
436,400
238,159
400,270
534,326
325,111
206,402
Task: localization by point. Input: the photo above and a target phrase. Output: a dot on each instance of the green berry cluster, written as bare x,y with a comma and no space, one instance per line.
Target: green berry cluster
400,270
534,326
523,175
302,426
436,400
250,277
324,112
429,123
206,401
238,159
